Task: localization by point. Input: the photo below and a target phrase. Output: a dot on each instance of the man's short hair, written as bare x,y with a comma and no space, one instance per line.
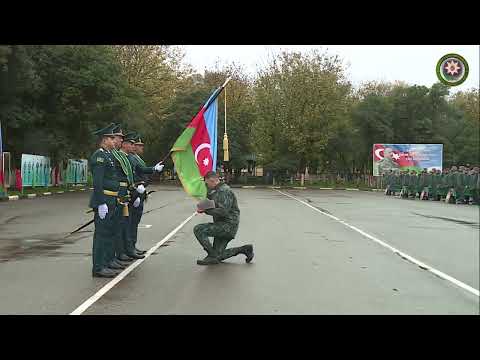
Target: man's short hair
209,175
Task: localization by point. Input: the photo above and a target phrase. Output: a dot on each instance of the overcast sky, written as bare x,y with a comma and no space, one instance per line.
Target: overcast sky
414,64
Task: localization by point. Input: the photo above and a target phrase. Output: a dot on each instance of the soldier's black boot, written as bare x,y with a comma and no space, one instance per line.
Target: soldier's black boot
140,252
208,260
248,251
135,256
125,258
115,266
106,273
125,264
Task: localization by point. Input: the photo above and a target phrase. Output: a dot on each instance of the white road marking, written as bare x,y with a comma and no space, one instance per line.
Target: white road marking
89,302
144,226
396,251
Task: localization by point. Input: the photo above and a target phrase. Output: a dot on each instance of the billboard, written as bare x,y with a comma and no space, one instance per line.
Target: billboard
400,157
36,170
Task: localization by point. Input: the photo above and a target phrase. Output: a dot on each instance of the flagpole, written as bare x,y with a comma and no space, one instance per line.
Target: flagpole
219,90
225,137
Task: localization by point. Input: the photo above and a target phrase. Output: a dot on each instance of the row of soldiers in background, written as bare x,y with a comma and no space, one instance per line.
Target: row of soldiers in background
119,181
456,185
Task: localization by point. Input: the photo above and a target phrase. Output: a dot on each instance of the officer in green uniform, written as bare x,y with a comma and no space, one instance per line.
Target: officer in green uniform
412,183
138,194
434,181
123,246
460,182
226,219
388,177
104,203
442,187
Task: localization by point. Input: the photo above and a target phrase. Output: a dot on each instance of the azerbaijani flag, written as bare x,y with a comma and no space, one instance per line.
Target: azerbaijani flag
195,151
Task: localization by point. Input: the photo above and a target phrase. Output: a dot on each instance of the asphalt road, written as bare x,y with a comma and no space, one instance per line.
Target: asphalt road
305,262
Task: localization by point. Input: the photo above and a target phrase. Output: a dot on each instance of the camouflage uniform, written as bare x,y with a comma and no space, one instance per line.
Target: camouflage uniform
226,219
387,164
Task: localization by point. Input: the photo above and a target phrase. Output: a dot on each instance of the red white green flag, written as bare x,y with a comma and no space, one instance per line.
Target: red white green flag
195,151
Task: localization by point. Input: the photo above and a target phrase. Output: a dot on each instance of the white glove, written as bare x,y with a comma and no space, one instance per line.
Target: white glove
158,167
141,189
102,211
136,202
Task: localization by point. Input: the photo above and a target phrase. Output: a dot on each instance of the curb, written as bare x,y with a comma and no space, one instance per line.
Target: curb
39,195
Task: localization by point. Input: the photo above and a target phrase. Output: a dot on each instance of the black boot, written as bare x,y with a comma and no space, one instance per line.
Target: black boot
140,252
105,273
248,251
135,256
126,258
114,266
209,260
122,263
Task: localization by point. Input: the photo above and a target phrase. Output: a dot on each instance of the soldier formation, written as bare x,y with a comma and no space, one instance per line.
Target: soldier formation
458,185
119,182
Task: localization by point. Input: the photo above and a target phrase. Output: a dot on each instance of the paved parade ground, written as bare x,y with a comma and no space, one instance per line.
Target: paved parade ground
316,252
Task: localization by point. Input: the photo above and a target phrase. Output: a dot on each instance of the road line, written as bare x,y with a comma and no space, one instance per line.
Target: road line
396,251
83,307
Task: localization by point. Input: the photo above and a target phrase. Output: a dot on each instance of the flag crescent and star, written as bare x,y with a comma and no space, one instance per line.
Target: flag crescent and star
195,151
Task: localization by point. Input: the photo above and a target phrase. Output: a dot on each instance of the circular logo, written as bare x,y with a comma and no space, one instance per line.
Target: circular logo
452,69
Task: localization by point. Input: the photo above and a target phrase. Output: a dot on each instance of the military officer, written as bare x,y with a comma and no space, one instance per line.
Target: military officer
123,248
104,202
139,194
226,219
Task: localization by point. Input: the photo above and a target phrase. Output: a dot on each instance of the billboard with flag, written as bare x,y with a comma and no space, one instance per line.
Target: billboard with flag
195,151
400,157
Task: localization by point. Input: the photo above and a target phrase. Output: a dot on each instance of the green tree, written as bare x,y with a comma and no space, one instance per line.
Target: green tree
300,100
